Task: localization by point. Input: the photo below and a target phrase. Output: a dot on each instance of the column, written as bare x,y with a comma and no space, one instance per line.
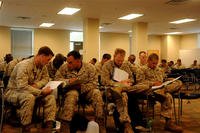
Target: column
139,37
90,39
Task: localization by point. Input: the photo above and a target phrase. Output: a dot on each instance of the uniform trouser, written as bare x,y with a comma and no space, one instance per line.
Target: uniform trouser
122,103
122,108
134,93
174,86
26,102
163,96
165,99
71,99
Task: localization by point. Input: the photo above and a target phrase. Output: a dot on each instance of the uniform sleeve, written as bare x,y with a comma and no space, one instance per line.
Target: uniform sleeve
141,77
45,78
91,82
106,75
59,76
22,82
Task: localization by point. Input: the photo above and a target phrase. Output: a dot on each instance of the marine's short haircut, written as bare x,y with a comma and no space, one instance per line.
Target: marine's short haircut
94,59
142,52
45,51
164,61
75,54
153,56
120,51
106,56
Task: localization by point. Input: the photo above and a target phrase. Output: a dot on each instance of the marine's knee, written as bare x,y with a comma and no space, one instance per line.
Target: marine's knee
51,99
96,92
27,99
73,94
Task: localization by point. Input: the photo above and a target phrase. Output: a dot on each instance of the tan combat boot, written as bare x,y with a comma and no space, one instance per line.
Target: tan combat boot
170,126
65,127
128,128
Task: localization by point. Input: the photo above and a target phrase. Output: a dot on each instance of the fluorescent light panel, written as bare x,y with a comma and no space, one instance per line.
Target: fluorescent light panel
68,11
173,33
100,27
183,21
131,16
1,2
46,24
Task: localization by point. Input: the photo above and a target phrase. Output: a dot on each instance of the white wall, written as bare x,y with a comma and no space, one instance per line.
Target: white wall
188,56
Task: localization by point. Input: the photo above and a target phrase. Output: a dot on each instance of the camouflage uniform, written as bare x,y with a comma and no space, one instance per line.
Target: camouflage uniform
162,95
51,70
98,67
3,66
21,93
121,103
194,66
179,66
88,78
11,66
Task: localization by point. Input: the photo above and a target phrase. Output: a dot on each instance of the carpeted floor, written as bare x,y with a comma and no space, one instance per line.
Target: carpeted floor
190,120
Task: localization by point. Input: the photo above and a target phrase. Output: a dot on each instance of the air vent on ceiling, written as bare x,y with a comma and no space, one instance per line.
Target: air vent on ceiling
173,28
23,18
104,24
176,2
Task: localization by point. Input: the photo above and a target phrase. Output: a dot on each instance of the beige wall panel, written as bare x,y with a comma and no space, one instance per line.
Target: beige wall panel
5,41
173,47
57,40
189,41
154,43
110,41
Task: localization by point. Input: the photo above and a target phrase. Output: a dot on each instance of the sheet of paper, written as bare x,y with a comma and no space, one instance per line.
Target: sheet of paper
53,85
165,83
120,75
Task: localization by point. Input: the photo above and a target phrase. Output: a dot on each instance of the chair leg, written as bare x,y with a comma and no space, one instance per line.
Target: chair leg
174,110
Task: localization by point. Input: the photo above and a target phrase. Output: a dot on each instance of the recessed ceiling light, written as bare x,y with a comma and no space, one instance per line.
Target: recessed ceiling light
46,24
131,16
68,11
183,21
173,33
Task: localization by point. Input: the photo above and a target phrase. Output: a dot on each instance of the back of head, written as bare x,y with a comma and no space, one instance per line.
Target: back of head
58,60
94,60
106,56
164,61
8,58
